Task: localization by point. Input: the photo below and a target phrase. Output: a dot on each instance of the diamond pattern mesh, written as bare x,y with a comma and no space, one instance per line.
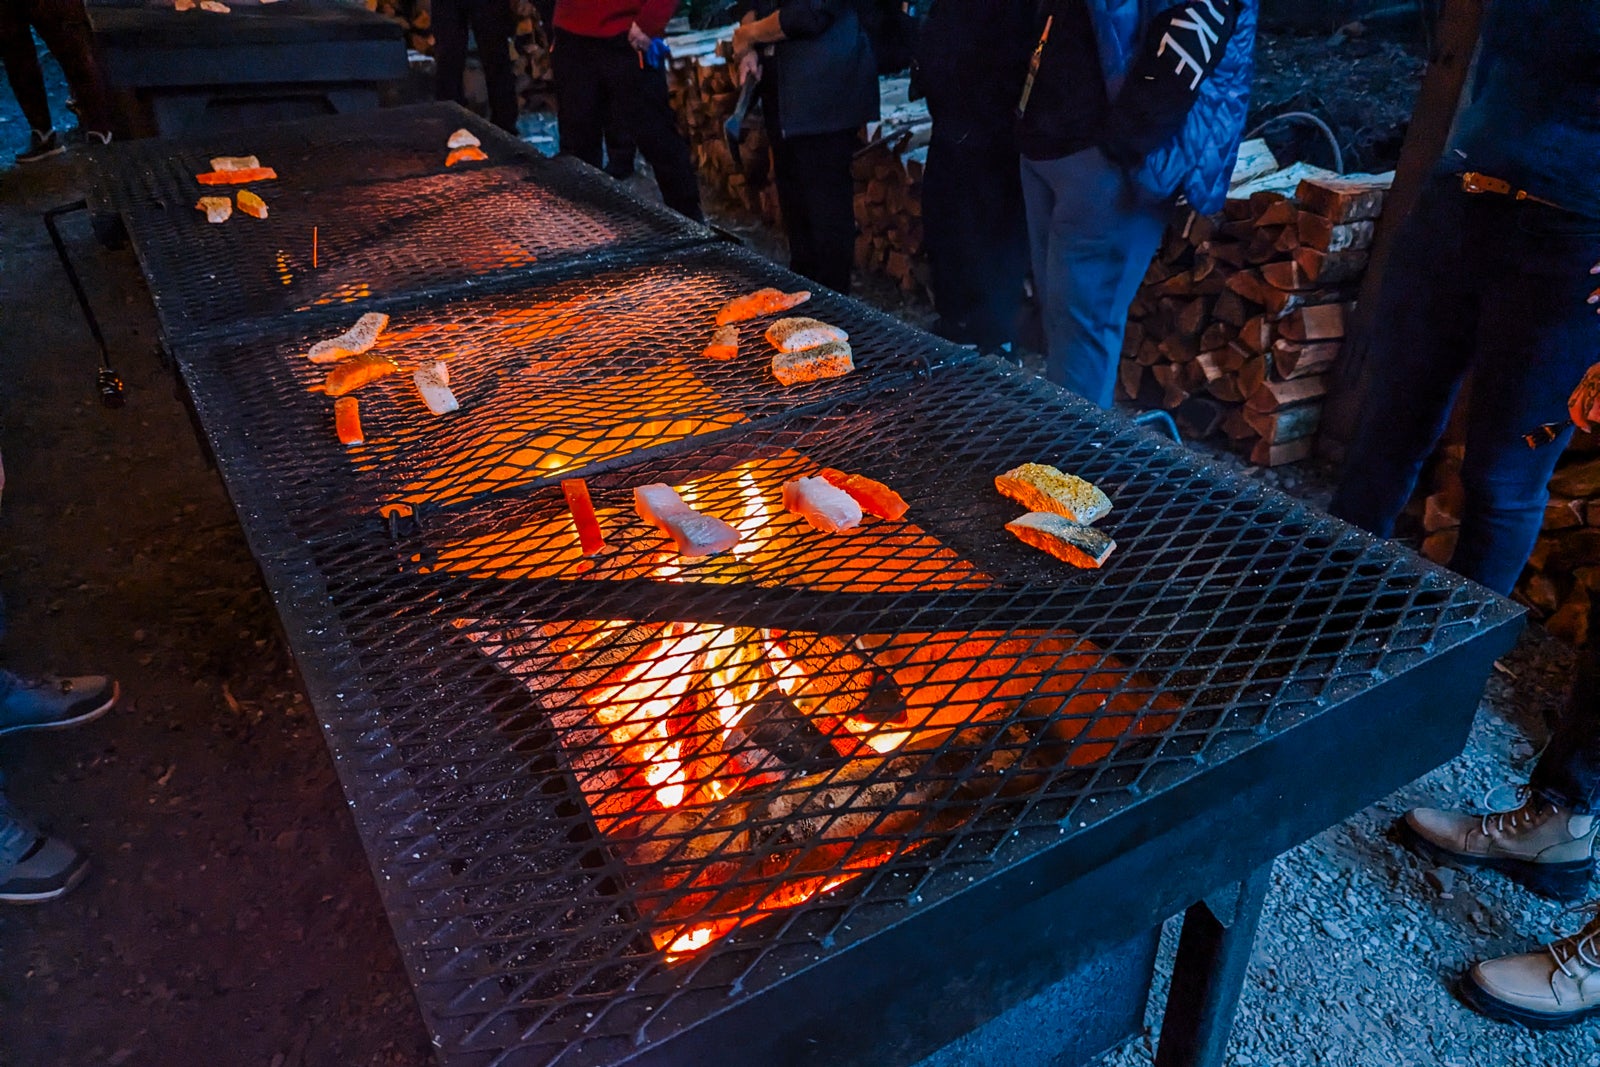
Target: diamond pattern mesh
391,222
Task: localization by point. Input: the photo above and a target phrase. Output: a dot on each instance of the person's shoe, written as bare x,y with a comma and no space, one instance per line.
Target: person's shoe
42,146
1547,989
1542,845
96,138
54,703
35,868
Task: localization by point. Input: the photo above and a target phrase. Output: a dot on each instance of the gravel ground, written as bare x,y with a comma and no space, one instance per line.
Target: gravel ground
232,919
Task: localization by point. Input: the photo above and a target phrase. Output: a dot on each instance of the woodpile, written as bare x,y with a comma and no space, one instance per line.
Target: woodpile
1561,584
1241,316
887,170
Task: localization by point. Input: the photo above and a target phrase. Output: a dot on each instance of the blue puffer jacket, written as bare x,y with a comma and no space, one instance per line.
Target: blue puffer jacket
1199,161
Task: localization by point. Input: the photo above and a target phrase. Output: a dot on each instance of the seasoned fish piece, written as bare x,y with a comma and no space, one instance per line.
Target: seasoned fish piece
1041,488
433,383
694,534
832,360
792,335
825,506
761,302
251,204
1077,544
235,163
463,138
354,341
875,498
217,208
724,343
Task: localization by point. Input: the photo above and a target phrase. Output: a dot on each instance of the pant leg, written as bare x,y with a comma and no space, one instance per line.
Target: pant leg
449,23
637,95
64,26
822,189
1569,771
575,63
22,65
1004,262
493,28
1099,240
1422,342
1537,335
788,177
976,238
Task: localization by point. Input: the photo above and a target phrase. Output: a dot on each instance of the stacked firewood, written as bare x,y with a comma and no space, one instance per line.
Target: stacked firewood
1241,316
1561,584
529,51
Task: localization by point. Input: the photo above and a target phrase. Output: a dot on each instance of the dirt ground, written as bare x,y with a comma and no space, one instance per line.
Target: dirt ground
231,917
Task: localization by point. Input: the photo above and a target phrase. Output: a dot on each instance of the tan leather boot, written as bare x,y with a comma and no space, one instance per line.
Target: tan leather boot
1547,989
1542,845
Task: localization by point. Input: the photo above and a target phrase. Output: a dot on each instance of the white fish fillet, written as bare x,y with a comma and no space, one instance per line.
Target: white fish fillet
433,383
695,534
217,208
824,505
463,138
794,334
354,341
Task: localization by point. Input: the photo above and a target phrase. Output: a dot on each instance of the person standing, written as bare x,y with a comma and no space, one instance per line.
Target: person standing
1127,105
64,27
972,56
492,27
819,86
606,74
1491,276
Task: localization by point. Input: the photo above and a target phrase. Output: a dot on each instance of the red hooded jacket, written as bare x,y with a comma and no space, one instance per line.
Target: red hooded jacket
611,18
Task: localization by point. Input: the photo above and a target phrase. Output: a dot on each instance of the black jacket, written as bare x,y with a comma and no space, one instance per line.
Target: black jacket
972,56
823,78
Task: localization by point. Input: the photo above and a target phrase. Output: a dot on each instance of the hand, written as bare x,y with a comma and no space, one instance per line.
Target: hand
638,38
1584,404
749,68
743,46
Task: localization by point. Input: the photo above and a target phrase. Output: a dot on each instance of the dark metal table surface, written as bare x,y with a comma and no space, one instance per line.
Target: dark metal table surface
1261,672
365,216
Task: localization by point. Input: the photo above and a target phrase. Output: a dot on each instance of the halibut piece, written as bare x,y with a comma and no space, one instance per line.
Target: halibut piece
695,534
433,384
761,302
354,341
463,138
792,335
1038,487
1077,544
217,208
235,163
824,505
832,360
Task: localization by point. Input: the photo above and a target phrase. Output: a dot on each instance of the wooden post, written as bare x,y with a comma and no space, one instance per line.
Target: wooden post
1456,41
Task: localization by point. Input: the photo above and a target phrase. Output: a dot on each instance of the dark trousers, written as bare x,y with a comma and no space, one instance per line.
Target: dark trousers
816,194
65,29
1485,285
601,81
1569,771
977,239
492,27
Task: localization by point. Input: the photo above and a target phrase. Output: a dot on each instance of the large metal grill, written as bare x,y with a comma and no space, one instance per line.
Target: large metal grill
378,241
820,799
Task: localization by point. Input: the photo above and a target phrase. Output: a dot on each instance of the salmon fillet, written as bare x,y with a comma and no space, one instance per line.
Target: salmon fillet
469,154
237,177
347,421
251,204
1038,487
832,360
724,343
1075,543
875,498
363,370
761,302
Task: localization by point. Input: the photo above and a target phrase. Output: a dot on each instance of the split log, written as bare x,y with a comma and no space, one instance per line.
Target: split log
1326,236
1315,322
1342,200
1274,395
1293,359
1286,424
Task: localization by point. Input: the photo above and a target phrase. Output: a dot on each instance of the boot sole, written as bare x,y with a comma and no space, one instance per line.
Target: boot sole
77,720
1487,1004
1564,882
42,156
44,896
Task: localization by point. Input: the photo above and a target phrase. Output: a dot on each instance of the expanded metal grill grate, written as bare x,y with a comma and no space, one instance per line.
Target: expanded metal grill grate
552,382
609,798
334,242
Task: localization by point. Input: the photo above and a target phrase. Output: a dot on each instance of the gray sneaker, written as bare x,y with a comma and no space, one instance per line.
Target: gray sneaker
42,146
54,703
34,868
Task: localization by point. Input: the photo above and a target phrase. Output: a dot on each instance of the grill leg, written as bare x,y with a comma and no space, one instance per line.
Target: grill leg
1213,952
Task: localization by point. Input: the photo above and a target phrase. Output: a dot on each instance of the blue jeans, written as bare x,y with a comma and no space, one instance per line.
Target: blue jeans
1485,285
1091,235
